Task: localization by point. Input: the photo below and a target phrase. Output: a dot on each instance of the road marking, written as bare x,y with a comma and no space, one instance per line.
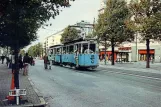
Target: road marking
133,75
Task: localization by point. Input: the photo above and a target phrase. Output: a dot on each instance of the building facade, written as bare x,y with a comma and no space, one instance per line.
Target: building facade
54,39
85,28
139,52
132,52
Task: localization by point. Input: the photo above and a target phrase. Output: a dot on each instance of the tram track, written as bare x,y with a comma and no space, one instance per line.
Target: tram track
140,74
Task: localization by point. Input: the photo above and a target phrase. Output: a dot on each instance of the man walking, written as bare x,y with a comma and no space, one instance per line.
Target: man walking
50,61
2,57
26,61
45,61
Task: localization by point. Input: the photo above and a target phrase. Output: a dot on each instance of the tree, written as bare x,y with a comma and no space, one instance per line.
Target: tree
146,20
36,50
111,24
69,34
22,52
90,35
20,20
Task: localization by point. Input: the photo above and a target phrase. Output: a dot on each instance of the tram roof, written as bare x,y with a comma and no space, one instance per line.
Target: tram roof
80,40
56,46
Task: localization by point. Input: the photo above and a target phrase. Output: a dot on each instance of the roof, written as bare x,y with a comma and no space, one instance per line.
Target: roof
54,34
80,40
56,46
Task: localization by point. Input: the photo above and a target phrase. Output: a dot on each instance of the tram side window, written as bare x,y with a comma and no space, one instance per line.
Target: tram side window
67,50
71,49
51,52
79,48
64,50
58,51
54,50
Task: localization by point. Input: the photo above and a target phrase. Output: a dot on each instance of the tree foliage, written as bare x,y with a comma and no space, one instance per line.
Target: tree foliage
146,18
20,19
69,34
22,52
36,50
111,24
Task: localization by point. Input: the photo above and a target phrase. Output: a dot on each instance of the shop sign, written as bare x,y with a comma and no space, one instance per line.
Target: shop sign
124,49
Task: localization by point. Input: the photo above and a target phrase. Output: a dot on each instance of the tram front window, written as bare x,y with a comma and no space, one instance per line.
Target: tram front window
85,47
93,47
89,50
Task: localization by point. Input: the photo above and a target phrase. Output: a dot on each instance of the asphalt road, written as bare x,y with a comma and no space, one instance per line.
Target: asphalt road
65,87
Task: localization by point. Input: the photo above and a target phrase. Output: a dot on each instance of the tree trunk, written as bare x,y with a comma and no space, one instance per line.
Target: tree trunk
16,71
113,51
148,53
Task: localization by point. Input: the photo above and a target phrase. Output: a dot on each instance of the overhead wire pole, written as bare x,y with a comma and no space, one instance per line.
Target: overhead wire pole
105,46
136,47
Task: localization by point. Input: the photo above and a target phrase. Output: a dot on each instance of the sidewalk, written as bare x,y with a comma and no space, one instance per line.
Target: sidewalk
32,98
135,66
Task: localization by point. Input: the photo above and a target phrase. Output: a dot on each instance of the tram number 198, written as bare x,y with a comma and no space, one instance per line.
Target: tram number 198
92,58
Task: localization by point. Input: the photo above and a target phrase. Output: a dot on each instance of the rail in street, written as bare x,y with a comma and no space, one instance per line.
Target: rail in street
66,87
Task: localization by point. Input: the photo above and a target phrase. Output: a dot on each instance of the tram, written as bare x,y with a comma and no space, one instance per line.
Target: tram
55,52
77,53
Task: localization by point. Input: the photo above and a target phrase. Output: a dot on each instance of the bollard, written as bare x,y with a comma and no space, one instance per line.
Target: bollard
17,93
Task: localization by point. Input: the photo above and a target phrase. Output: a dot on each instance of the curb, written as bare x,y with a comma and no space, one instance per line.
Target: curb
42,101
133,69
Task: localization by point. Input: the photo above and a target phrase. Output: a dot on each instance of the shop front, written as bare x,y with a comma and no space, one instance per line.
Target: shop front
108,55
124,54
143,54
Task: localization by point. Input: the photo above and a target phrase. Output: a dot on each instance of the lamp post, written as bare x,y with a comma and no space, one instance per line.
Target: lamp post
136,46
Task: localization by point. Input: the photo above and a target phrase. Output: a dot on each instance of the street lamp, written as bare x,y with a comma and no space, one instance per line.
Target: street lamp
136,46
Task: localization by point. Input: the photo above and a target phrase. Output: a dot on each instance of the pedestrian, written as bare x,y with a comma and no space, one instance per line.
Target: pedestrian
13,62
50,61
26,62
31,60
10,58
45,61
159,59
20,62
2,57
7,60
76,57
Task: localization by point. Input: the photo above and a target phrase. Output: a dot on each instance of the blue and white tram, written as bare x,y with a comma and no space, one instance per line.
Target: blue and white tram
81,54
78,54
56,52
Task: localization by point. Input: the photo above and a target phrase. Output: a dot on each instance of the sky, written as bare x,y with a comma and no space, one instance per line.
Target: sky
80,10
